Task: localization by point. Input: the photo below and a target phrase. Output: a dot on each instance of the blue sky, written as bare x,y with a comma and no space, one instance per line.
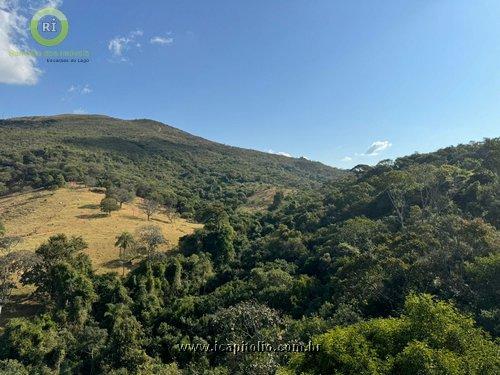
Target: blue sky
342,82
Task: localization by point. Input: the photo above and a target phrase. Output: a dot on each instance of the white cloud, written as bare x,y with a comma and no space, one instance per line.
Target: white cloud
377,147
86,89
136,33
79,111
14,16
35,5
117,46
20,70
280,153
77,89
53,3
161,40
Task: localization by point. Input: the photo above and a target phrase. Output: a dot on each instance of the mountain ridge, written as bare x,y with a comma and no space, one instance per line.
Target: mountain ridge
152,122
148,155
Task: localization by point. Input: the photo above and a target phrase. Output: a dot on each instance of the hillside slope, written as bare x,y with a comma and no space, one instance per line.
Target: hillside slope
148,155
36,216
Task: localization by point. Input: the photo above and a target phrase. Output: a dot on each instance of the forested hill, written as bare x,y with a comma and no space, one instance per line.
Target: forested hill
391,269
145,154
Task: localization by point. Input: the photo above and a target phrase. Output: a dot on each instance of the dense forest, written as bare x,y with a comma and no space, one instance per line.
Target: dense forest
385,269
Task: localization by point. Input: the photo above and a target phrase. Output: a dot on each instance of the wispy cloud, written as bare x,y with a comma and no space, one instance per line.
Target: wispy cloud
280,153
161,40
120,44
53,3
79,111
377,147
74,92
35,5
78,89
86,90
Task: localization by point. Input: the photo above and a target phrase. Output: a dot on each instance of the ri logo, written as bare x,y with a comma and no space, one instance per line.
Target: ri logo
49,27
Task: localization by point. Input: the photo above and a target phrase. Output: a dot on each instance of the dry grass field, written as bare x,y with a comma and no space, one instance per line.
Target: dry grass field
35,216
262,199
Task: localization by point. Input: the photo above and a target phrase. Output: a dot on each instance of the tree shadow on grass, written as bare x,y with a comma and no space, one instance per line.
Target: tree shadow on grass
21,306
160,220
89,207
117,264
92,216
131,217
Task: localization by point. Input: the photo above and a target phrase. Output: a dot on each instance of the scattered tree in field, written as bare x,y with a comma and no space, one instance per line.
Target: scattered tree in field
109,205
126,243
122,195
2,229
90,181
150,207
170,205
150,237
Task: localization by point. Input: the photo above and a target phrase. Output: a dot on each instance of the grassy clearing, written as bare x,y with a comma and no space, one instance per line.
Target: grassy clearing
35,216
262,199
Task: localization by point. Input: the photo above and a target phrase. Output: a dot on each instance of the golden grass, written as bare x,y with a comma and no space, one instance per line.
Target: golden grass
35,216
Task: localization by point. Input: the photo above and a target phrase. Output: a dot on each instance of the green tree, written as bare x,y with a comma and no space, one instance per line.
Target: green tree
109,205
90,348
12,367
60,181
121,194
150,237
219,241
126,243
110,290
277,200
62,277
250,323
124,349
35,342
150,207
430,337
71,291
